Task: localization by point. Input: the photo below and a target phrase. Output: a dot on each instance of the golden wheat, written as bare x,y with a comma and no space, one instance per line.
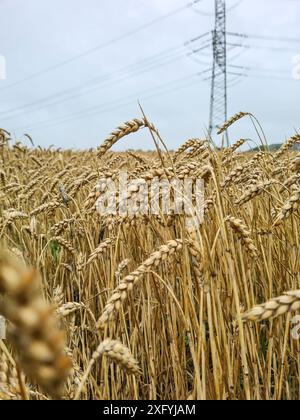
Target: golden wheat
193,281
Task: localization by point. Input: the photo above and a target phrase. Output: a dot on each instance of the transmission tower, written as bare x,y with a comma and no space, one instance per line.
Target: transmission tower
218,101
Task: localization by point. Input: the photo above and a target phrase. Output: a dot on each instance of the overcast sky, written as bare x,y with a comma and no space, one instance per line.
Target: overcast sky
74,72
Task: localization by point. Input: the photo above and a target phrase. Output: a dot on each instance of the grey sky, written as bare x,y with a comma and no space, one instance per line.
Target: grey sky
36,35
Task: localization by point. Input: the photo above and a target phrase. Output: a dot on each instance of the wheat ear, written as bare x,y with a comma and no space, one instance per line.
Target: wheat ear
100,250
187,145
127,283
290,207
115,351
9,382
196,256
119,353
230,150
69,308
33,328
122,131
290,302
47,207
64,244
232,120
121,267
254,191
239,227
287,145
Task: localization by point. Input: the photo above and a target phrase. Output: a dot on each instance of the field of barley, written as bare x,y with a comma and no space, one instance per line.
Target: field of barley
146,307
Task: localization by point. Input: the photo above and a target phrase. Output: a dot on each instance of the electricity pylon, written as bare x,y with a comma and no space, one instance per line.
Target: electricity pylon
218,101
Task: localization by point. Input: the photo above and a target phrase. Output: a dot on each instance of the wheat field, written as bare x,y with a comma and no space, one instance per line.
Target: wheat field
144,307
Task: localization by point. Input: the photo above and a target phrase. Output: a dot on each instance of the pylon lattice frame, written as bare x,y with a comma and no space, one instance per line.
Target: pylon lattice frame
218,101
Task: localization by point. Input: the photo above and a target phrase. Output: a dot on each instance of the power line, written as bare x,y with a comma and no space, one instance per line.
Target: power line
265,37
256,72
132,71
102,45
261,47
96,110
249,68
98,80
229,9
218,78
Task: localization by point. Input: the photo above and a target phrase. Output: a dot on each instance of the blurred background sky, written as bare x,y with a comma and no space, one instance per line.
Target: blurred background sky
76,69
